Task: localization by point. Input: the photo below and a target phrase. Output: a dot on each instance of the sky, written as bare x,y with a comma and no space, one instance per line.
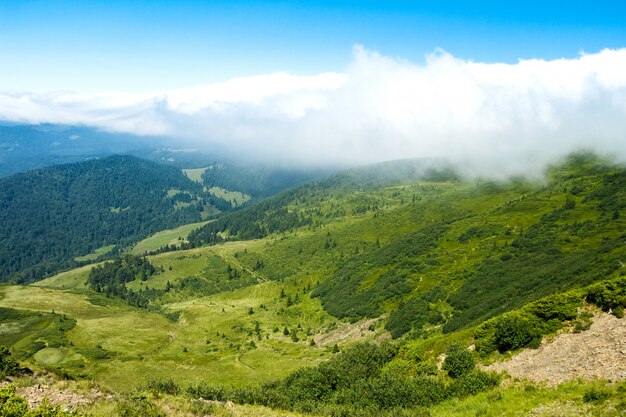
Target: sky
341,81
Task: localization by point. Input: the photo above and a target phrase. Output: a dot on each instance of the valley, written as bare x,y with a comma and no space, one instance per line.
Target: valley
293,284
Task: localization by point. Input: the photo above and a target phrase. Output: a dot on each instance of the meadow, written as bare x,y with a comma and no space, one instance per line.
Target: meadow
288,283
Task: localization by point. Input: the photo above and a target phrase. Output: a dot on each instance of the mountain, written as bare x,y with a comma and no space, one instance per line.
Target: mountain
27,147
257,179
267,305
51,215
432,249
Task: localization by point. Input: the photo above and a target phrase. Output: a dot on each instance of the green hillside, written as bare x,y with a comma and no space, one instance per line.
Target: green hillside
52,215
267,307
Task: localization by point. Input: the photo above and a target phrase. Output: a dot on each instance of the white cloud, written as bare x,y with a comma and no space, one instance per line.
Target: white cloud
500,118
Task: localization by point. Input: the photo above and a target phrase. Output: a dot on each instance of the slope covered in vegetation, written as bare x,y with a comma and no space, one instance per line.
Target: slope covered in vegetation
406,251
52,215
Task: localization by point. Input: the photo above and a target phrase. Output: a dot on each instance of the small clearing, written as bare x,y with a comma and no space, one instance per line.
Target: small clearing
598,353
194,174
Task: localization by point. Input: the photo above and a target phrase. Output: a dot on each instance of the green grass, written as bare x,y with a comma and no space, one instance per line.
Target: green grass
235,197
522,399
194,174
357,232
142,345
165,237
95,254
72,279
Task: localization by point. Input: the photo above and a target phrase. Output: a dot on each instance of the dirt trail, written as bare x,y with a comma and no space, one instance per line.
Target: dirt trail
230,259
599,352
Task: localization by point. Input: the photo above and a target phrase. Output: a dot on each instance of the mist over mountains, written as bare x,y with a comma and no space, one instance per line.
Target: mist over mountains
495,119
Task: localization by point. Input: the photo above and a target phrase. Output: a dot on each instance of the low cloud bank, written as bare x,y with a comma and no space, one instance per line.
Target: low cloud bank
497,119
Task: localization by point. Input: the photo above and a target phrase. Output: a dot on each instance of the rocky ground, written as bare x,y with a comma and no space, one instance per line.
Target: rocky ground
599,352
57,394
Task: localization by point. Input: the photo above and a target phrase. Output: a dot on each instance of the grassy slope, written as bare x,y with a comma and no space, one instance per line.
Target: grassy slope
165,237
492,215
236,196
142,345
194,174
95,254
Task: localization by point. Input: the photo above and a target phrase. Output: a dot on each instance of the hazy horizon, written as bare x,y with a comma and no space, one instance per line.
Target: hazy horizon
503,90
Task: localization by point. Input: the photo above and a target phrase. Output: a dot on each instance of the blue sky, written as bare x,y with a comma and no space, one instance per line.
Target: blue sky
139,46
515,84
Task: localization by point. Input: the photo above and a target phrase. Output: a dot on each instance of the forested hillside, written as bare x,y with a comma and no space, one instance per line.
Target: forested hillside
265,306
51,215
429,249
256,179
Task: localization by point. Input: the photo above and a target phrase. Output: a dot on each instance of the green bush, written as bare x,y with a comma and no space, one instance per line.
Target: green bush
515,330
485,337
10,404
557,306
8,365
459,361
472,383
608,294
164,386
138,406
596,394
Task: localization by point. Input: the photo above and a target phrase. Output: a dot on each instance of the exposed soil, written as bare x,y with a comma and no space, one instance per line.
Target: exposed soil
58,395
599,352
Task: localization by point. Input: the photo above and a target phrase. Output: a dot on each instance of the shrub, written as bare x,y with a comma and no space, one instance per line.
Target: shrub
165,387
8,365
485,337
557,306
10,404
473,383
596,394
515,330
608,294
459,361
583,322
138,406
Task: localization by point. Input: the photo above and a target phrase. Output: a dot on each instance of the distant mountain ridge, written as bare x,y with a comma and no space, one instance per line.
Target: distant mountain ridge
27,147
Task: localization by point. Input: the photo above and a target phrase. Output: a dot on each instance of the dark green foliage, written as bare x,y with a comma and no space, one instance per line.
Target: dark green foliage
515,330
268,216
255,179
8,365
608,294
343,295
472,383
596,394
167,386
557,306
509,331
111,278
352,384
459,361
49,216
415,313
478,232
537,268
